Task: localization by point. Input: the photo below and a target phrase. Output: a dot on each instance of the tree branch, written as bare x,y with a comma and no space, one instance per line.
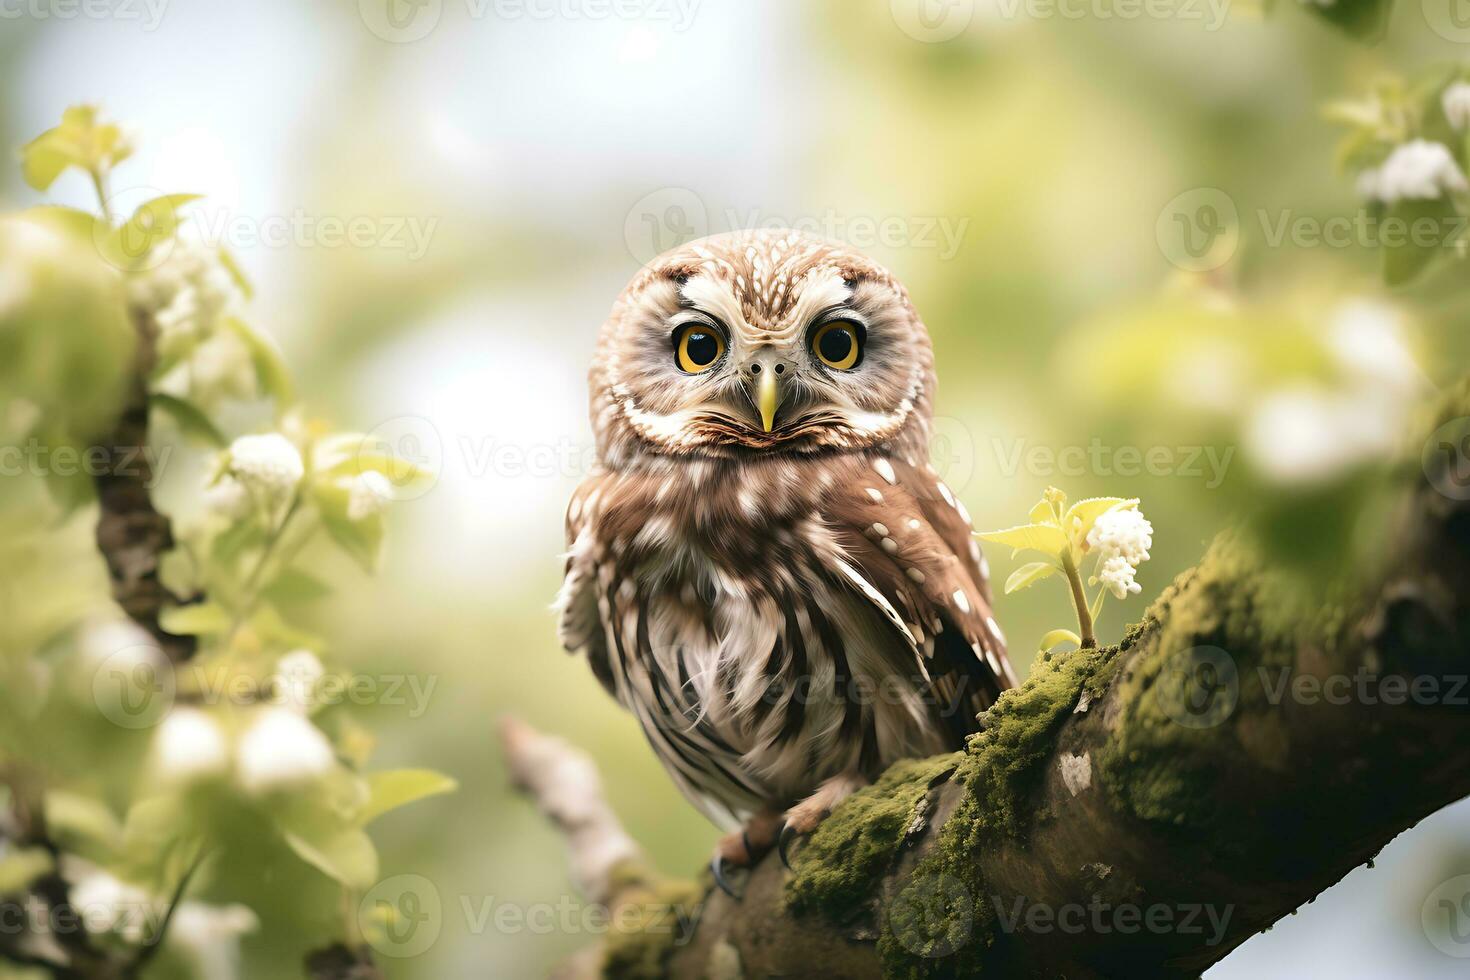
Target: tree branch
1145,808
131,534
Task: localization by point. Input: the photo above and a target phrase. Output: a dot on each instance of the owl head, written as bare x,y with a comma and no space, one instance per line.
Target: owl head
761,342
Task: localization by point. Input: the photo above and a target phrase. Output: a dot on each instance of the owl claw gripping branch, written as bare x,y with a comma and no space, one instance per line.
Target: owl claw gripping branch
764,569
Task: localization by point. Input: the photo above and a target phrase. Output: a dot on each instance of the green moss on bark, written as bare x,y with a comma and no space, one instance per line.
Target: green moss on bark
942,924
652,918
836,871
1209,635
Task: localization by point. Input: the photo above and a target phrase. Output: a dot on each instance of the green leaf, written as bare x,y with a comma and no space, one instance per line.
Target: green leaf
295,585
81,226
1028,575
1362,20
363,540
191,419
1056,638
196,619
80,141
237,273
352,453
1086,512
236,539
1404,257
152,222
270,366
82,825
1045,538
21,866
399,787
344,854
152,827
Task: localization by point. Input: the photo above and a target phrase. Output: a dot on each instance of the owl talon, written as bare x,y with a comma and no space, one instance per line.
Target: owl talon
788,834
717,869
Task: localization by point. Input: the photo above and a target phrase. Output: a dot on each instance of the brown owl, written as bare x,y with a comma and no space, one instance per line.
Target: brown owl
764,568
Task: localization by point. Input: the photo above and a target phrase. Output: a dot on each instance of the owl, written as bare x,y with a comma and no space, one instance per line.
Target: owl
763,567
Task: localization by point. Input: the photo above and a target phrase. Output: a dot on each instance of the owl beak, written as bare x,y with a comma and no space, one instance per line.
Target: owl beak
767,398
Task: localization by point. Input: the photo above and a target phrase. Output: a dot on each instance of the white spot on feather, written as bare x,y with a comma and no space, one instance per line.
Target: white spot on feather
961,601
874,495
885,470
916,575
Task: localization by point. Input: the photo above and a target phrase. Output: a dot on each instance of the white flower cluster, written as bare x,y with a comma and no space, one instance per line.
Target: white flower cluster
280,749
1456,104
295,681
257,470
190,293
367,494
1419,170
1310,432
1121,537
206,934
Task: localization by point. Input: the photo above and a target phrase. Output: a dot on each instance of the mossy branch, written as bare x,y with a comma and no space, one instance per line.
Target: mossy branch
1145,808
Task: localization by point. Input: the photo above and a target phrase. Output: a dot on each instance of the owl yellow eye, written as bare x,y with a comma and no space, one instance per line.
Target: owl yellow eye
838,344
697,348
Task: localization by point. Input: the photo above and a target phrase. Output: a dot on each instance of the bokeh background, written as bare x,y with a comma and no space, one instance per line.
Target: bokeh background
1025,172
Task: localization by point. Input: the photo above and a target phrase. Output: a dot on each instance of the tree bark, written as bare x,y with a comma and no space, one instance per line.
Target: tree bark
1142,809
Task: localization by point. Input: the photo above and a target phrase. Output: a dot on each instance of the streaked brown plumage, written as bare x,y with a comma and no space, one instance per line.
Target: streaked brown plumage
764,569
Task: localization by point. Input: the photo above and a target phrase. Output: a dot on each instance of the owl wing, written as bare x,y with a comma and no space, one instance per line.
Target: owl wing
907,545
579,625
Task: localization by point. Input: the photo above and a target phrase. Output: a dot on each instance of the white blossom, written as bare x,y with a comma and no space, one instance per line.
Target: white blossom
1456,104
1308,434
1122,532
1121,537
1117,576
228,498
189,745
297,675
367,494
1418,170
209,936
221,367
121,643
281,749
105,904
268,465
189,293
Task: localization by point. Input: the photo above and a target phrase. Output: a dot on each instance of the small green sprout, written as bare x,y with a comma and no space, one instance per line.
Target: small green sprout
1110,529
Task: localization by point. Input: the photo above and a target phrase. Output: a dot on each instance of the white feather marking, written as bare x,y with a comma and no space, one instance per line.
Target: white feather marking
873,495
961,601
885,470
876,597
